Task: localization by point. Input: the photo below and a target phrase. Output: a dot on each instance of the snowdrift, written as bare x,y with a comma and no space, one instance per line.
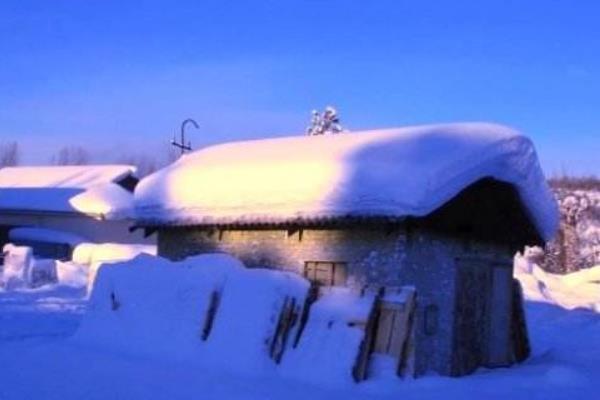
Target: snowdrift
386,173
208,307
214,310
328,348
579,289
22,269
91,256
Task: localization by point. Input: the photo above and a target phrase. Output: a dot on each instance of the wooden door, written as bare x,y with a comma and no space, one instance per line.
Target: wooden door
500,316
470,316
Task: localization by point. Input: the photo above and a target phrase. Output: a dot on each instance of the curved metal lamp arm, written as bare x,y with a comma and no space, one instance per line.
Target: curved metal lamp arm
182,145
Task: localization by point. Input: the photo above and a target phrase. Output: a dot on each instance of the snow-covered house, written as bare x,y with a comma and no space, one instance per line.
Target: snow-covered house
441,208
53,208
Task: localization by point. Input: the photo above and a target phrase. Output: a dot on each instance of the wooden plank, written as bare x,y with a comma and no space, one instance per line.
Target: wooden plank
406,359
287,319
215,299
361,365
392,329
290,321
399,334
274,346
311,297
385,327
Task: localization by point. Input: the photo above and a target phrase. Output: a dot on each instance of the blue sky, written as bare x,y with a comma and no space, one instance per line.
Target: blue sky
119,76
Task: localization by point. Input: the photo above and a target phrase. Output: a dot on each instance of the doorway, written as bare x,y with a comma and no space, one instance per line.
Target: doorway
470,316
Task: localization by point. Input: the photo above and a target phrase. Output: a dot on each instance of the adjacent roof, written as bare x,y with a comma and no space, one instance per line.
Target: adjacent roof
391,173
88,189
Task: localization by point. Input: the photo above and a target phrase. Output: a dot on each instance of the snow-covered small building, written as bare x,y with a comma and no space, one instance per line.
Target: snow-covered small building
53,208
441,208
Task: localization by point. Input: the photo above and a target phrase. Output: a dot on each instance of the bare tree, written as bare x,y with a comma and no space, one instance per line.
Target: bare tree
9,154
71,155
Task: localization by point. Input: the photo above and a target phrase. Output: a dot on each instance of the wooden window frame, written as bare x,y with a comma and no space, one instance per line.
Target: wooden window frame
338,273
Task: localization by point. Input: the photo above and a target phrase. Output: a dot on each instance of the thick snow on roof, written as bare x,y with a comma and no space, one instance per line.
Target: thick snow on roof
89,189
394,172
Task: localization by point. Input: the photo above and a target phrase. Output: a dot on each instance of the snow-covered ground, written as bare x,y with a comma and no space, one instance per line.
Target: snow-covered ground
40,359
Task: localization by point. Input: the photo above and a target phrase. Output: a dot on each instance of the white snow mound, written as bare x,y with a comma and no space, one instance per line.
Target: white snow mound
152,306
579,289
395,172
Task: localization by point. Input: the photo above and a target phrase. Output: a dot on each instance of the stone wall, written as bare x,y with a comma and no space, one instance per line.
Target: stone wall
374,255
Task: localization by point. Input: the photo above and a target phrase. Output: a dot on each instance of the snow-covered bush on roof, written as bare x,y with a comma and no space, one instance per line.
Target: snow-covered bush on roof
394,172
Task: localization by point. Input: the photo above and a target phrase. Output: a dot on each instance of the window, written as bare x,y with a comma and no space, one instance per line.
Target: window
325,273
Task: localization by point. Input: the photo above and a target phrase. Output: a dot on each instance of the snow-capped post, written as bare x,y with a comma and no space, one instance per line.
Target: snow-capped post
324,124
182,145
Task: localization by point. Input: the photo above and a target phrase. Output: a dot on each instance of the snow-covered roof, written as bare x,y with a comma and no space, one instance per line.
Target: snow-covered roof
88,189
393,172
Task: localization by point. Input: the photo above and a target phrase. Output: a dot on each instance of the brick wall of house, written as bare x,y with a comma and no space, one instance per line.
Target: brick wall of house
374,256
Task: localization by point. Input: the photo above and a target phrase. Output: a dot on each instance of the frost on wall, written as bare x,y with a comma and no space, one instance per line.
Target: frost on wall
577,243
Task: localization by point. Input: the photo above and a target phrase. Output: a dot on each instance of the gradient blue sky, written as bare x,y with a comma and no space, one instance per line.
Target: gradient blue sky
119,76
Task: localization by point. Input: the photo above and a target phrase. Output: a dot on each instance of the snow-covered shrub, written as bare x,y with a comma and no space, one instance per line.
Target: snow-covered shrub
579,289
